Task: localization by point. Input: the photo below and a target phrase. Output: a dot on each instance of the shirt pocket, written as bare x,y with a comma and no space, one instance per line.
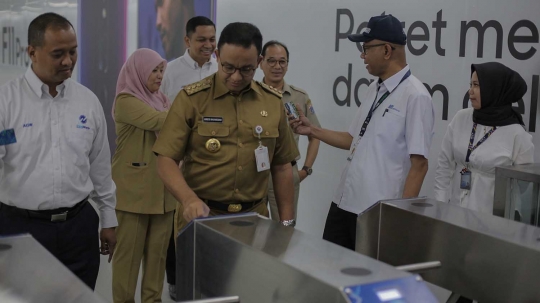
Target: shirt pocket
134,183
84,138
390,132
268,134
391,124
268,138
212,130
28,142
80,142
212,142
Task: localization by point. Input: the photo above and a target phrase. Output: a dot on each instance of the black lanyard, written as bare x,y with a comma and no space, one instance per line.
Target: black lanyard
375,105
471,147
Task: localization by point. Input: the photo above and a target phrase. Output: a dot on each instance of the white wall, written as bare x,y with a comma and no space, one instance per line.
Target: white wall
308,28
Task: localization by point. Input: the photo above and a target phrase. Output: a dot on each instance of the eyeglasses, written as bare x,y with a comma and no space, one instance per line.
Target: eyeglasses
282,63
364,48
245,71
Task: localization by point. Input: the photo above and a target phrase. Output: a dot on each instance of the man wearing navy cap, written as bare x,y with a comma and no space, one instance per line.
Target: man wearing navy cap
390,137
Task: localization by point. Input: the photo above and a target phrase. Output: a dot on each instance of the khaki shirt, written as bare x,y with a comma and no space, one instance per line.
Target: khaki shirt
138,187
299,96
206,110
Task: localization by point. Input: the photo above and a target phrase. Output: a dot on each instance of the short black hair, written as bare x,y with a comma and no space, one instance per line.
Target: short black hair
192,24
241,34
274,42
38,26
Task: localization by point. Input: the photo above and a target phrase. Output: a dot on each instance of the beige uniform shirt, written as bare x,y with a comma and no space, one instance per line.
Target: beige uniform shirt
206,110
299,97
134,165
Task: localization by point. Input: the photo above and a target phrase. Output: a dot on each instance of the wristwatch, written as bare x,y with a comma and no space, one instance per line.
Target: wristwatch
291,223
308,170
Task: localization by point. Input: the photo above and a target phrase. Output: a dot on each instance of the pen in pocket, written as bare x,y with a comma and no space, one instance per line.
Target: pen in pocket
385,111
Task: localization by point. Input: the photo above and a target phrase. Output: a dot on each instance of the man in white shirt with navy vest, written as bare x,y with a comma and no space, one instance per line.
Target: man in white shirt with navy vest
390,137
54,155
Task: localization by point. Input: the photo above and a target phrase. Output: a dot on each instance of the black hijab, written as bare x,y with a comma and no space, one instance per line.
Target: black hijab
499,88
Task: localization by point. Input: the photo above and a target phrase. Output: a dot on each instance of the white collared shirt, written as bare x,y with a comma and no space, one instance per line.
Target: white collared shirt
401,126
508,145
183,71
61,153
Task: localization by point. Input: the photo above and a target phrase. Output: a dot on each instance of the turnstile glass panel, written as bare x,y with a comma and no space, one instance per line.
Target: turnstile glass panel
523,199
517,193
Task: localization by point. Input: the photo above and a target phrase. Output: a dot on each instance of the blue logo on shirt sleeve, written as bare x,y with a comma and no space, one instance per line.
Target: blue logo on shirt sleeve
7,136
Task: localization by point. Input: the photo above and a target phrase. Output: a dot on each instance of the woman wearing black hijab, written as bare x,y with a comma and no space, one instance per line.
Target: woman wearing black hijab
480,138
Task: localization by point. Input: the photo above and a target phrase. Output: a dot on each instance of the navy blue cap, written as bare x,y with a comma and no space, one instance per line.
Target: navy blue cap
386,28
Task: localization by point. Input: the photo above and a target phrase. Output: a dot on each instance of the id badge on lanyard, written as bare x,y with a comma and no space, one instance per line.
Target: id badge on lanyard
261,153
374,107
465,182
466,175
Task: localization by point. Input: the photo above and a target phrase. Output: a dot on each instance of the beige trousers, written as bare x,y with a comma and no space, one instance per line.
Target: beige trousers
140,237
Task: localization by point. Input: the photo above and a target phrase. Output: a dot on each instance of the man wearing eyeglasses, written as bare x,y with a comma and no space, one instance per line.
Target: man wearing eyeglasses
231,132
390,137
274,64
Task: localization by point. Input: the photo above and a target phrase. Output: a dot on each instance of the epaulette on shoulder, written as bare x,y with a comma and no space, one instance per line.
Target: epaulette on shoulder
298,89
270,89
193,88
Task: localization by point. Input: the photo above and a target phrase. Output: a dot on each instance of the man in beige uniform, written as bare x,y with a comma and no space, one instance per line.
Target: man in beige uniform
274,65
217,126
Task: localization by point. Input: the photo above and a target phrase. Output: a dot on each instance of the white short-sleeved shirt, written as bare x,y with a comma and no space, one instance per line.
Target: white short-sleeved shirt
508,145
401,126
61,154
183,71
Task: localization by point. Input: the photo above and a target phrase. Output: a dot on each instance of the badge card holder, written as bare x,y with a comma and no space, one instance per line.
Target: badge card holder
465,182
261,153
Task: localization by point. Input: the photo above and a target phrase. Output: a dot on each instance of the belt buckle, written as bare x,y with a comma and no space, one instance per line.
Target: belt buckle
234,208
59,217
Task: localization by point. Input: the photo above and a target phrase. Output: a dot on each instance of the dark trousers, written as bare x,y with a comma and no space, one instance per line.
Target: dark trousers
74,242
170,265
340,227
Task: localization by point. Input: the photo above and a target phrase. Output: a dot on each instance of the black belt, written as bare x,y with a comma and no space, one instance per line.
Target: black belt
293,162
231,207
53,215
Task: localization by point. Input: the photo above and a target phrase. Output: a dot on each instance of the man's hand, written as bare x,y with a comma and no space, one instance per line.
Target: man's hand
415,178
302,174
301,126
107,236
195,209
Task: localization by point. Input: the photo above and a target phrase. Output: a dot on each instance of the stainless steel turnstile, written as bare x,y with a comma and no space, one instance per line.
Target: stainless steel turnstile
29,273
260,261
516,194
484,257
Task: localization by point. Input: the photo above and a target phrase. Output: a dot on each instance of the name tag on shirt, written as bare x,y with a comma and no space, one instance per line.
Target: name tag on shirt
261,156
7,136
213,119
